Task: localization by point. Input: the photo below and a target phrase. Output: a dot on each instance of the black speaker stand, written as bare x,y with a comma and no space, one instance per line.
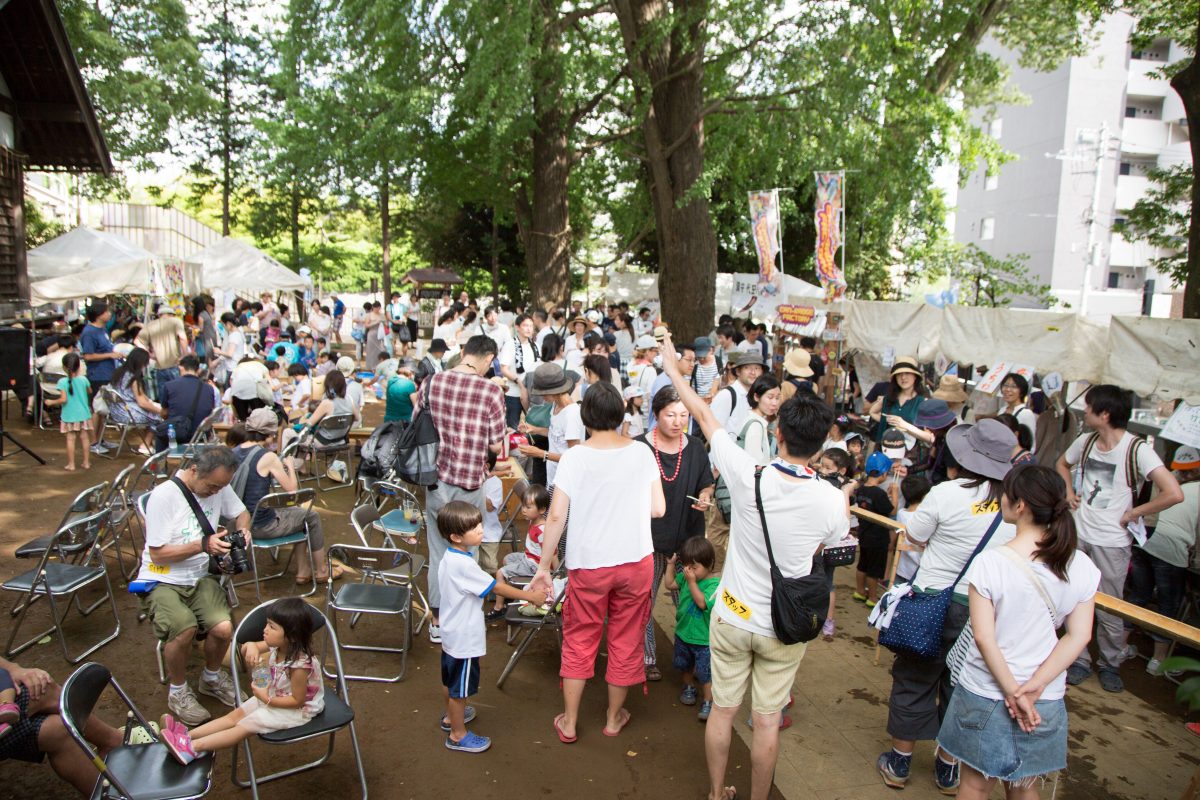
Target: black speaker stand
5,435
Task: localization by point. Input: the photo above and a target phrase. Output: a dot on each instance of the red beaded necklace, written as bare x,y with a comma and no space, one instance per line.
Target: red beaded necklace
658,460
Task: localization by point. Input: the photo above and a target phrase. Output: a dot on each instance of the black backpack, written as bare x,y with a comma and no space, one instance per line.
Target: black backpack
380,449
417,448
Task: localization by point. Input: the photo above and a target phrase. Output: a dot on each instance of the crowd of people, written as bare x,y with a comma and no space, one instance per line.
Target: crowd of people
695,464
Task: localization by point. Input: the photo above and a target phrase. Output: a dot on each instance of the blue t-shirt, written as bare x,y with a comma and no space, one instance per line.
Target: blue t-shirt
95,340
77,408
339,308
399,402
306,357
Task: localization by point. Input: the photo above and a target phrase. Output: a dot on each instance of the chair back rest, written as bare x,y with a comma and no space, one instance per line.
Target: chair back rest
367,560
250,629
90,499
289,449
386,491
83,530
518,491
80,692
204,433
140,506
277,500
153,468
111,398
51,379
118,492
335,427
362,518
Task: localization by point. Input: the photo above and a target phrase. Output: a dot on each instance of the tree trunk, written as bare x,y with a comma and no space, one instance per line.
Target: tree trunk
385,230
495,257
294,221
1187,84
550,231
673,129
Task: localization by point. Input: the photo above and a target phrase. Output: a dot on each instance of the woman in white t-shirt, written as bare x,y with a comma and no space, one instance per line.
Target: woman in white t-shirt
1007,720
950,523
612,487
756,436
1014,397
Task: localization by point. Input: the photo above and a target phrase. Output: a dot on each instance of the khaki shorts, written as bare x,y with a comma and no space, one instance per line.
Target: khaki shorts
175,609
743,660
489,557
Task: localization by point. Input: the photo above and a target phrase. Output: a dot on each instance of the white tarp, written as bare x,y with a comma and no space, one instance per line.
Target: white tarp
637,287
910,329
1153,357
83,250
90,263
234,265
1045,340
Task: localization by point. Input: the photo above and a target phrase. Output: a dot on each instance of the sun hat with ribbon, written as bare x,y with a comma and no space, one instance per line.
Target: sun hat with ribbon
906,364
934,414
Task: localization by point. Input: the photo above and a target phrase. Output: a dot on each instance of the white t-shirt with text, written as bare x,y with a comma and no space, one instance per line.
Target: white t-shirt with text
951,521
801,517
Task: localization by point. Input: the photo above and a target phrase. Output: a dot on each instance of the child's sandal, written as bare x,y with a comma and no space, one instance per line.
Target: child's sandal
9,713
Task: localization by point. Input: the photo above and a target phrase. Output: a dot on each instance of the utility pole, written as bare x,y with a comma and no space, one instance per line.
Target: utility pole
1092,259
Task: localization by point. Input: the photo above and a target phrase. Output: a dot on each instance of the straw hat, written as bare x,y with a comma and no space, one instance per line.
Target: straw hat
951,390
797,362
580,320
906,364
984,448
645,342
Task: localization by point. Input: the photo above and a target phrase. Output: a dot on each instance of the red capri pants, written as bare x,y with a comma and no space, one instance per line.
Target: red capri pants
622,595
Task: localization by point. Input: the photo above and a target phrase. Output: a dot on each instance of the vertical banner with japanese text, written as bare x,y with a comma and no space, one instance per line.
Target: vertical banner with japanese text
829,223
764,227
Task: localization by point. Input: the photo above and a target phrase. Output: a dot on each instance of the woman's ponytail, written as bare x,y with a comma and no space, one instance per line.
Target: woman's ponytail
1045,495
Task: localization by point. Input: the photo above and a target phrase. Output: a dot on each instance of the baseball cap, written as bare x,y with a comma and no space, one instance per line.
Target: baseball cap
645,342
1186,458
702,346
438,346
878,464
895,443
631,392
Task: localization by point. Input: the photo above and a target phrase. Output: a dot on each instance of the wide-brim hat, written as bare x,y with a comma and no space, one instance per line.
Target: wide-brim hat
951,390
660,332
551,379
796,363
906,364
263,420
933,414
748,358
984,448
645,342
578,320
1186,458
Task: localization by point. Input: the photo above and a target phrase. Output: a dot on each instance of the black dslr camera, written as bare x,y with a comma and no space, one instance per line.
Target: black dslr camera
237,552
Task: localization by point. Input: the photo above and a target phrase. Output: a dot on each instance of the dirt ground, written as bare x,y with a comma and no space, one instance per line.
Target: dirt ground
841,702
402,748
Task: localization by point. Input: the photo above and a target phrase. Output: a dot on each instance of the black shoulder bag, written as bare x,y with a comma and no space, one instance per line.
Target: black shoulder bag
798,605
183,425
217,565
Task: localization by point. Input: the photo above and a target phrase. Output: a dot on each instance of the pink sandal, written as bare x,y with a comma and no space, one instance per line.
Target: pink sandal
9,713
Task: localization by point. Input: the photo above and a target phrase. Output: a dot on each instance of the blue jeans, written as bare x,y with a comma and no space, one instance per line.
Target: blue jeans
161,378
1151,577
512,411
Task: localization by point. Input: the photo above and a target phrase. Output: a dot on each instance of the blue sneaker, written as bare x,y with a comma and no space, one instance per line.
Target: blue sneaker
468,718
688,695
945,776
705,710
893,767
471,743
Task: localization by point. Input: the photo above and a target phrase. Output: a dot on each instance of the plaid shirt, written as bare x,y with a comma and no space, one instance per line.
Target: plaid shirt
468,412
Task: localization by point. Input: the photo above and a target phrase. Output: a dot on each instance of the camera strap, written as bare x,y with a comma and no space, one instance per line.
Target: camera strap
206,527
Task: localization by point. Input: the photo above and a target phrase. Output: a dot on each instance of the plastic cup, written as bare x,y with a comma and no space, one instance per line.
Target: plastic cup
262,677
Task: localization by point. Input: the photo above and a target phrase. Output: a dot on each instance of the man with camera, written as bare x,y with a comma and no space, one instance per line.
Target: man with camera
183,540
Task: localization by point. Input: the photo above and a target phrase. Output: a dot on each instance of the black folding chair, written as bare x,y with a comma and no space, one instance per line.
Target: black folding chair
61,579
509,521
86,503
337,714
366,520
516,621
130,771
277,501
376,593
329,438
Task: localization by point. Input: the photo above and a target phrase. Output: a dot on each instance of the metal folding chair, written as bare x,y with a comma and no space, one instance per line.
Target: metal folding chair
336,716
130,771
59,579
276,501
334,432
47,384
85,504
365,520
121,521
376,593
185,452
532,626
508,522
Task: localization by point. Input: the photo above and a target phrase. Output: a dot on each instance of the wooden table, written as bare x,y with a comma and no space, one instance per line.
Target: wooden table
357,435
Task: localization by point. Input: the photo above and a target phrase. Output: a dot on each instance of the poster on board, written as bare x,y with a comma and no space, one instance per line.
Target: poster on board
1183,426
995,376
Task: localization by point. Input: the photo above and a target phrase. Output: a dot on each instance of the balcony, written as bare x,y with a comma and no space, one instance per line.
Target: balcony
1130,189
1173,108
1143,137
1142,83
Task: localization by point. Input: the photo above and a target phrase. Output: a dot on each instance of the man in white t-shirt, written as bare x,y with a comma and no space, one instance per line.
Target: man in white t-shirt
745,648
517,357
1103,493
732,404
183,597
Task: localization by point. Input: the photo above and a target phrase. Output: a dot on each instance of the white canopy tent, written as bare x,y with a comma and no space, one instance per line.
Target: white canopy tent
90,263
233,265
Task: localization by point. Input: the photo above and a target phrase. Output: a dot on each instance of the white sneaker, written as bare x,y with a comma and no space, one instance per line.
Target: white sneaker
435,633
187,708
221,688
1154,667
100,448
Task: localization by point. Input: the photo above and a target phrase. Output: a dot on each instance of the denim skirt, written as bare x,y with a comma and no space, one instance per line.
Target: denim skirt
979,732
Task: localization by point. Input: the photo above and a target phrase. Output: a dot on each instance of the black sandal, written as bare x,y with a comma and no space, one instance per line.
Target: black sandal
653,673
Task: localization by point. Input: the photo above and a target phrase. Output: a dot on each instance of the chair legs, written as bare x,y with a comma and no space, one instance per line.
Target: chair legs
258,579
403,651
57,617
253,780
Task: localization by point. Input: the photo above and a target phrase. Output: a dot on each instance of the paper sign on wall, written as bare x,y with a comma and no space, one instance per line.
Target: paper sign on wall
1183,426
995,376
889,356
1052,384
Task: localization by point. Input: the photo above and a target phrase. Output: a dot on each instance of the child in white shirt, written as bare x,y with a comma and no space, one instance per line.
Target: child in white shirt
635,421
914,487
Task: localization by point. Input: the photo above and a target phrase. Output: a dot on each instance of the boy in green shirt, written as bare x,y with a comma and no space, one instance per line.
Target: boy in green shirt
697,588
